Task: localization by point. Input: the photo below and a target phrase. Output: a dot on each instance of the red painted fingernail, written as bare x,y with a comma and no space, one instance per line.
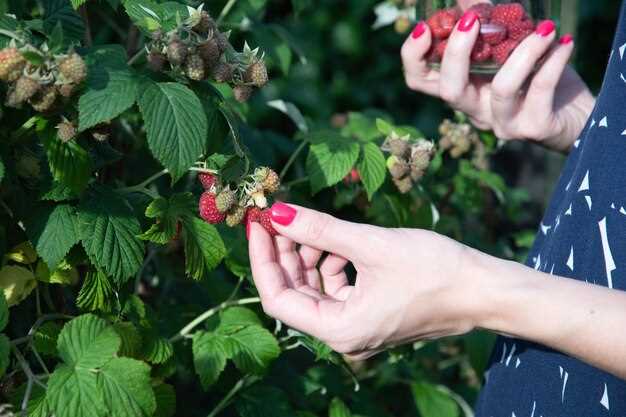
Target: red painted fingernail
283,214
467,21
565,39
418,30
545,28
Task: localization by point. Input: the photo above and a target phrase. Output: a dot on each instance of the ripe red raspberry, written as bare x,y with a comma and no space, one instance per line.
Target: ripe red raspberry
508,13
266,221
440,48
483,10
502,51
493,34
252,215
520,30
442,23
353,177
208,209
207,180
481,52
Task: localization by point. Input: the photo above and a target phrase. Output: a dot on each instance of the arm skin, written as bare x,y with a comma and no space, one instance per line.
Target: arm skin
414,284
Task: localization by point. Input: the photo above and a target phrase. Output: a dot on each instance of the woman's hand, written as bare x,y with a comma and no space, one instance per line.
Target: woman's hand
410,284
550,105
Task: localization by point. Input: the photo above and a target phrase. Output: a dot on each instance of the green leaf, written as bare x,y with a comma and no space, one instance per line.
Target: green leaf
4,311
5,350
204,248
165,400
131,339
74,392
372,168
361,127
8,23
53,230
209,357
96,293
61,11
37,405
77,3
176,125
168,213
239,316
109,230
125,386
264,401
329,161
433,402
58,192
17,283
87,342
150,16
70,164
252,348
111,88
45,339
338,408
157,349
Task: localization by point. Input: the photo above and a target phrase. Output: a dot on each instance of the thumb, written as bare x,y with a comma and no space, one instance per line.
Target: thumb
321,231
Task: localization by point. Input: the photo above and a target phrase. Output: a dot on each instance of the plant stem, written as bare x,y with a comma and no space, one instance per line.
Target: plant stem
147,182
293,158
225,402
296,182
41,320
136,57
83,14
226,10
212,311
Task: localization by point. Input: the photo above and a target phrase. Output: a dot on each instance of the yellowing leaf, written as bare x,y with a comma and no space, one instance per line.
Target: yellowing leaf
65,274
24,253
17,283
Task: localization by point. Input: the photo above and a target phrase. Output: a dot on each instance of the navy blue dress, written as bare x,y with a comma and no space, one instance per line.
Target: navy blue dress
582,236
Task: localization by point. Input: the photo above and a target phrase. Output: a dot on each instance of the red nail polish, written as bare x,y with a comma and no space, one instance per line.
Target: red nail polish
565,39
467,21
283,214
545,28
419,30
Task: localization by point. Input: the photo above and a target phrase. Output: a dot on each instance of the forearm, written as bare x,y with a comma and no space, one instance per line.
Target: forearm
583,320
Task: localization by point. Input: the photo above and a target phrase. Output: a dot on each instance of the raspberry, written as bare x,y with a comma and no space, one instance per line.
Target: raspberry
502,51
259,199
442,23
483,10
66,131
205,24
520,30
416,173
45,99
11,99
210,52
195,67
225,200
25,88
223,73
207,180
402,24
73,68
398,147
11,64
398,168
222,41
269,180
256,74
266,221
208,209
176,52
481,52
235,216
353,177
66,90
507,14
252,215
242,93
493,34
156,61
404,185
440,48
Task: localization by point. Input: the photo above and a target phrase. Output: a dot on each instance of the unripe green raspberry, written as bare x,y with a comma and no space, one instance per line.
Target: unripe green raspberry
194,67
223,72
45,99
11,64
404,185
225,200
25,88
242,93
177,52
235,216
67,90
269,179
66,131
256,74
399,170
398,147
210,52
73,68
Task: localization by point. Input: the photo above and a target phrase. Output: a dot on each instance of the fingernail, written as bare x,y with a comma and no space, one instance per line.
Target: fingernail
545,28
418,30
467,21
565,39
283,214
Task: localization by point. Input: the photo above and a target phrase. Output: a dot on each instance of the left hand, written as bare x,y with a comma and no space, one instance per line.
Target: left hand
410,284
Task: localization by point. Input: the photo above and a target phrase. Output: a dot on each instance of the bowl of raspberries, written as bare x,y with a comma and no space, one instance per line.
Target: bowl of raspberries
503,26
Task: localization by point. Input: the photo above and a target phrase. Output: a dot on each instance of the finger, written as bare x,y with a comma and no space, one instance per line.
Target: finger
540,95
309,257
332,271
509,80
289,260
455,65
324,232
418,75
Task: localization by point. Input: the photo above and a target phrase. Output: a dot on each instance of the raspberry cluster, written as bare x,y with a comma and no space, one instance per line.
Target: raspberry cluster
502,28
196,49
459,139
43,83
408,161
245,204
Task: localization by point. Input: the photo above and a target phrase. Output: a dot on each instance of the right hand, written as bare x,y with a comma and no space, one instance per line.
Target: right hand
549,105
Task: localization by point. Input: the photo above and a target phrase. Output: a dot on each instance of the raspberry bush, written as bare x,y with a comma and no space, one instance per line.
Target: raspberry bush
140,138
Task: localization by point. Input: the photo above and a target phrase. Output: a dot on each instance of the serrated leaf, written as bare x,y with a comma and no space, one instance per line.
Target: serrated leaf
23,253
65,274
157,349
37,405
96,293
338,408
74,392
264,401
87,342
252,348
125,386
372,168
361,127
168,213
165,399
58,192
150,16
209,357
131,339
5,350
329,161
8,23
109,229
70,164
433,402
77,3
61,11
204,248
111,88
239,316
176,125
17,283
45,339
4,312
53,230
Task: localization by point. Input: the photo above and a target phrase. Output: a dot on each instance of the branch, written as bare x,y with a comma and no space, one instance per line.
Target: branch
83,13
